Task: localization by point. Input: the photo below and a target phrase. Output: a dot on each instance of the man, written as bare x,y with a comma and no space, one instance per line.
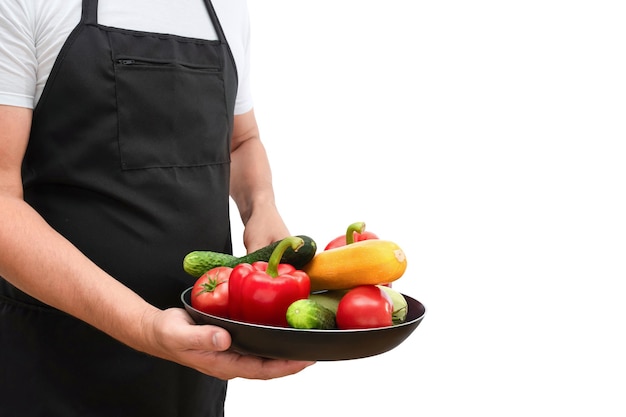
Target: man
124,129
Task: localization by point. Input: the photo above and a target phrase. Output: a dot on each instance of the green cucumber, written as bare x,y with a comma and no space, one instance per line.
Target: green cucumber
298,258
309,314
198,262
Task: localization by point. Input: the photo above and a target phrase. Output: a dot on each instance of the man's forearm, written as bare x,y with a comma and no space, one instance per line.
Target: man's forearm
42,263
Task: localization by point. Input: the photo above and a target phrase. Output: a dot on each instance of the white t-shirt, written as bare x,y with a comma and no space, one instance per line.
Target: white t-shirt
32,33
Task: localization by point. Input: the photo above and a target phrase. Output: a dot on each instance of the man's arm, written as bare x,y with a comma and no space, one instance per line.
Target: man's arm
251,185
42,263
39,261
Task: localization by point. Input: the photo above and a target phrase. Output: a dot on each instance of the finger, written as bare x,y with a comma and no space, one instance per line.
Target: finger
254,367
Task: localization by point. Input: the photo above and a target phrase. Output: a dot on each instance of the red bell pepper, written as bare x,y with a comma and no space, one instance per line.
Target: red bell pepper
355,233
261,292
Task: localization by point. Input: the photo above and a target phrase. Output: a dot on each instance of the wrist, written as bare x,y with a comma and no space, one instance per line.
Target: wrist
145,337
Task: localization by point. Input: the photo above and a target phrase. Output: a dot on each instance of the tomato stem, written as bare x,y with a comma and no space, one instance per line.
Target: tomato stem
292,241
358,227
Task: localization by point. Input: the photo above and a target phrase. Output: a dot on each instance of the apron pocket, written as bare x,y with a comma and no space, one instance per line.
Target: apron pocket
170,114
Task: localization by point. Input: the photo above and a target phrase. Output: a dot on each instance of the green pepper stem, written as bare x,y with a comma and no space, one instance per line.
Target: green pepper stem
358,227
292,241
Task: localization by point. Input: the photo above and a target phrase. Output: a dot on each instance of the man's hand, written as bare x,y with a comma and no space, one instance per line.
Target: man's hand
172,335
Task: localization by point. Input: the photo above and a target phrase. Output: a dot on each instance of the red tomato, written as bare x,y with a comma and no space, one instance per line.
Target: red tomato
210,292
364,307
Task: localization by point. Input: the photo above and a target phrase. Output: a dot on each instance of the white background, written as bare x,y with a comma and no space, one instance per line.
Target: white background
485,138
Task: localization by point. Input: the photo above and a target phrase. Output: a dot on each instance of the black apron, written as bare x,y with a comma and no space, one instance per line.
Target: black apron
129,159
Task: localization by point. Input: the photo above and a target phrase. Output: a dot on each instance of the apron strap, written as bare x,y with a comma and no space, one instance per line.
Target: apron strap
90,12
215,21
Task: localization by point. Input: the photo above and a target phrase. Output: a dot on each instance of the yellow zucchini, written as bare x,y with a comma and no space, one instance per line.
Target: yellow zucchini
372,261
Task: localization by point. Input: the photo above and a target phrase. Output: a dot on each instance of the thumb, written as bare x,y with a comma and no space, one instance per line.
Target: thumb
208,337
181,327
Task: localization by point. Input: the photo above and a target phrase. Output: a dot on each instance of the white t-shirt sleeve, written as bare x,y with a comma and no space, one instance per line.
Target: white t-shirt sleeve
244,102
18,58
235,20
